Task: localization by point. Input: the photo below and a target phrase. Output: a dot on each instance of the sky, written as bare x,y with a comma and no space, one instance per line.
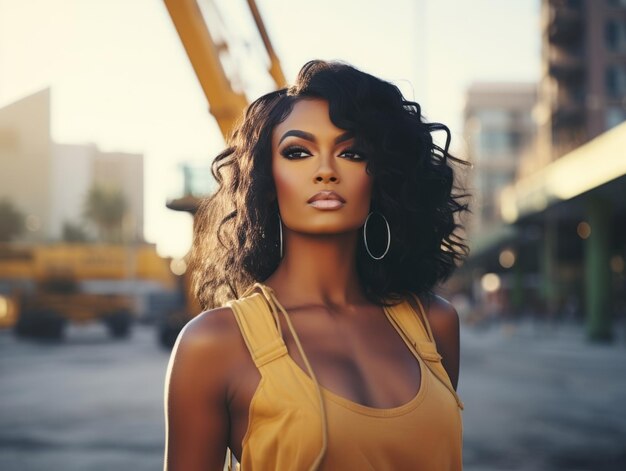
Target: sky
120,78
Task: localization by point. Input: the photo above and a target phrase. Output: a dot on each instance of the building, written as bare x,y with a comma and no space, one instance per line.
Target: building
564,214
498,130
124,171
583,84
26,160
561,250
570,218
569,193
48,182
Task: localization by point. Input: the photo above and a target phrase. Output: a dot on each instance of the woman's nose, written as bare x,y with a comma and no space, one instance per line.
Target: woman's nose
326,177
326,171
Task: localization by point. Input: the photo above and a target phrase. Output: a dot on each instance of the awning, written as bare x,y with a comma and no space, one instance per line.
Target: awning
590,166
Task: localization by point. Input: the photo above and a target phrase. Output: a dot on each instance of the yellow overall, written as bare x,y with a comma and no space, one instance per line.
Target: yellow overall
296,424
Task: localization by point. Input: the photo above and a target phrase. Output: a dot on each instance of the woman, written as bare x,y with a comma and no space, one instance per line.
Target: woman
333,221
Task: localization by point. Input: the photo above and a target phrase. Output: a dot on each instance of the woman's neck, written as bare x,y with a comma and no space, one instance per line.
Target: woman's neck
317,270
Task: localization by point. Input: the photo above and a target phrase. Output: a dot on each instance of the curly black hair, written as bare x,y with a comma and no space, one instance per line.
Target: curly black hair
236,239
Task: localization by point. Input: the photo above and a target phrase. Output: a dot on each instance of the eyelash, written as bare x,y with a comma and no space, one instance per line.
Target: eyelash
286,152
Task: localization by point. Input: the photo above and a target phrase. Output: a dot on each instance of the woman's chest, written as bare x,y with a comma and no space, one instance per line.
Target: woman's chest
367,364
285,416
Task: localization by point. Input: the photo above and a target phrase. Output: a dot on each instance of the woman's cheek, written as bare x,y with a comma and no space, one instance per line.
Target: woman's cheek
287,187
364,188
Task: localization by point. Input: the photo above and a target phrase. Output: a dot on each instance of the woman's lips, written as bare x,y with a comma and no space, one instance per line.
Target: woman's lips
327,200
326,195
329,204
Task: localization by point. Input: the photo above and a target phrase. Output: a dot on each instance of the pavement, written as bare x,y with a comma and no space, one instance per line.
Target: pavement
536,397
542,397
90,403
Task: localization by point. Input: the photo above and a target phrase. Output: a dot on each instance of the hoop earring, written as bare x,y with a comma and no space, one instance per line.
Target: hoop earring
365,236
280,234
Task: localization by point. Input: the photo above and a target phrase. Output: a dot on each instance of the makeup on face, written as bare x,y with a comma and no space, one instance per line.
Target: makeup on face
327,200
296,151
320,176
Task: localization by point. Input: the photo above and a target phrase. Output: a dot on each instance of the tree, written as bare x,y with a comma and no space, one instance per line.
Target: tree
106,207
12,221
74,232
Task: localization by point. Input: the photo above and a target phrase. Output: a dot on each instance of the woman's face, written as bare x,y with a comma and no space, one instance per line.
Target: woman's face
311,154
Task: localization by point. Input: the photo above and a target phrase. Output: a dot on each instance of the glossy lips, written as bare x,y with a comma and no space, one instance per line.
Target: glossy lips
327,199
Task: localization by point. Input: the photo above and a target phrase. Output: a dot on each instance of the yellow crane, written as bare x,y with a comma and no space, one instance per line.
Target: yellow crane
198,26
204,52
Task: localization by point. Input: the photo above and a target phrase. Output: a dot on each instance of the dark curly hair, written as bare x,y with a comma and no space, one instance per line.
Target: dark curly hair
236,239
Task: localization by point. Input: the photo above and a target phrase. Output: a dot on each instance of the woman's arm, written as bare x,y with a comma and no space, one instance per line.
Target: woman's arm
444,322
196,416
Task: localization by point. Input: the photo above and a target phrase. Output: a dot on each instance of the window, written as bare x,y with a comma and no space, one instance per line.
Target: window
615,81
495,141
610,81
614,116
493,117
612,35
515,140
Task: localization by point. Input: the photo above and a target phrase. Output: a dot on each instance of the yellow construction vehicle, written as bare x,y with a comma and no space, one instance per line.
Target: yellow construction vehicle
45,287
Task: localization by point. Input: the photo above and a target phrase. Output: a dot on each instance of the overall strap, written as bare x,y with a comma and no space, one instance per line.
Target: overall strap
260,330
263,336
419,334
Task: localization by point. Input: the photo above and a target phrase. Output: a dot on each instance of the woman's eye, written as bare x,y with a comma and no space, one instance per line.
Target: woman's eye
353,154
295,152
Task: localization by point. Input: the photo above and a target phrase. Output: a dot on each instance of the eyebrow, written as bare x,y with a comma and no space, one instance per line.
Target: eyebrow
310,137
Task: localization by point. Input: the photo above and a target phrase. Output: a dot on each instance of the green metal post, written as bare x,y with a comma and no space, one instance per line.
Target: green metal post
517,291
548,266
597,270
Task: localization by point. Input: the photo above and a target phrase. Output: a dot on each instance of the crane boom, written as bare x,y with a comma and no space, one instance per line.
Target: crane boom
225,104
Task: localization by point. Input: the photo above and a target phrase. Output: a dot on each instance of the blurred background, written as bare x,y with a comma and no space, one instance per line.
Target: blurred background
111,112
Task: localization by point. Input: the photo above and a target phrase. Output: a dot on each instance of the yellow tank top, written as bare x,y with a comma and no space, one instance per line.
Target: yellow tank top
296,424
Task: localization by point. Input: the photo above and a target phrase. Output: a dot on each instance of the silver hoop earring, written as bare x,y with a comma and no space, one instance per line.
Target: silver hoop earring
365,236
280,234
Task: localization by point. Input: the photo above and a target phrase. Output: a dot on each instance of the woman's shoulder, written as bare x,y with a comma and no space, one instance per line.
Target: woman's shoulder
444,323
440,314
218,327
212,326
210,323
210,337
437,308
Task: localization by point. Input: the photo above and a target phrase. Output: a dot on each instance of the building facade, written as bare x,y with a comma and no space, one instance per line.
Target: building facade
49,182
498,130
583,84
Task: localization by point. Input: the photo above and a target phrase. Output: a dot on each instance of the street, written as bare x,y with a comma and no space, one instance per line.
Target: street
88,404
542,400
535,399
